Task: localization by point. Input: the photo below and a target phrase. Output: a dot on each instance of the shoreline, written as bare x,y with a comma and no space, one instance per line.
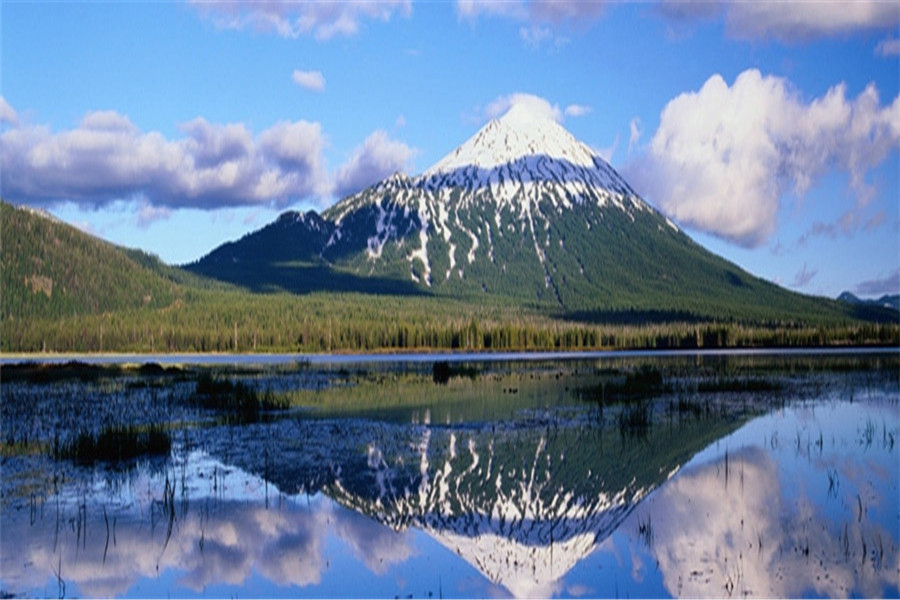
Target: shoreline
421,357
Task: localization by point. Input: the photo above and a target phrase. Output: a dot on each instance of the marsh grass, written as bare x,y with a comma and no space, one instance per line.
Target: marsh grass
739,384
83,372
442,371
115,444
235,398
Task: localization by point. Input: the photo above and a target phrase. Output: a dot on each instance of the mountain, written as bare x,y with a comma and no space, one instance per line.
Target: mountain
51,269
891,301
522,212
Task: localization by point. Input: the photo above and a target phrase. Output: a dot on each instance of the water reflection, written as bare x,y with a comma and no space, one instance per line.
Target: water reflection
801,505
243,529
546,497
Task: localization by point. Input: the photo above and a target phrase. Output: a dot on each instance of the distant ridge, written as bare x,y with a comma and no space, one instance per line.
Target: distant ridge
891,301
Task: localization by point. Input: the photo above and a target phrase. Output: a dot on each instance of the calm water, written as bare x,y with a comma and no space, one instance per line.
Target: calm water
685,475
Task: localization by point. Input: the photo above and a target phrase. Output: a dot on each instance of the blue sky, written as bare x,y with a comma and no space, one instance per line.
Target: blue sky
769,131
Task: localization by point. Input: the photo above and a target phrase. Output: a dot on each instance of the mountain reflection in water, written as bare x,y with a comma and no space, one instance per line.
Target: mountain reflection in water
548,501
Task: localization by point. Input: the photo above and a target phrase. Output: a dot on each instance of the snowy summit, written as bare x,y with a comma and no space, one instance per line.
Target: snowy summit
525,145
521,132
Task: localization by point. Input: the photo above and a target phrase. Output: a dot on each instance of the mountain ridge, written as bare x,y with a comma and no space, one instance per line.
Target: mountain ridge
522,212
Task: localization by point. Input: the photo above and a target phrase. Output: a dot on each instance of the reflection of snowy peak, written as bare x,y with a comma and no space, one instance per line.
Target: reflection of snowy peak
510,505
522,501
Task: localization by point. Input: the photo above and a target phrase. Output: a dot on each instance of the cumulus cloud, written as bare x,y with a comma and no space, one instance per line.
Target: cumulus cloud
545,11
7,114
790,21
323,20
107,158
148,213
534,35
376,158
608,152
311,80
888,48
786,21
578,110
543,18
808,19
723,157
635,133
535,104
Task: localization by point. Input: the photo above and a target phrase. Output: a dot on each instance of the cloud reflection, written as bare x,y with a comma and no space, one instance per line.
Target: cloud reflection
718,531
213,542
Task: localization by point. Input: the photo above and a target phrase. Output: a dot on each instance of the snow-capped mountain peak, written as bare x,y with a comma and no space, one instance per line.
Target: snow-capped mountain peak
521,132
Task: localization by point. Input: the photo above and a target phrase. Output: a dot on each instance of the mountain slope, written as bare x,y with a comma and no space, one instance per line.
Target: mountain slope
520,212
891,301
51,269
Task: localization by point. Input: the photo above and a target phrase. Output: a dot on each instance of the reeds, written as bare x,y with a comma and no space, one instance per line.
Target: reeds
117,443
235,398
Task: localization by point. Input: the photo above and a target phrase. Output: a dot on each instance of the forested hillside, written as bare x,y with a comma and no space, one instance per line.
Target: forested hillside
52,270
66,291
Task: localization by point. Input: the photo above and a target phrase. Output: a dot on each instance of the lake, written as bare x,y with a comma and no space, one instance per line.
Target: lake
602,475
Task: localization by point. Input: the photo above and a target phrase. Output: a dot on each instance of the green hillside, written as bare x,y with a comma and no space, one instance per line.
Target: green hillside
66,291
600,265
51,270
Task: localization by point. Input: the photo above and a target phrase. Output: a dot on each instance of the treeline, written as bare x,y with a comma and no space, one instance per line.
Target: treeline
232,322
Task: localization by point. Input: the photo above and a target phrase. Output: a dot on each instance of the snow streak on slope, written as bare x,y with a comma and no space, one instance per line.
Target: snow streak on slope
511,180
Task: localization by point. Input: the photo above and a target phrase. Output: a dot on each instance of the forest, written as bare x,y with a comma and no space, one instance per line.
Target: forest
64,291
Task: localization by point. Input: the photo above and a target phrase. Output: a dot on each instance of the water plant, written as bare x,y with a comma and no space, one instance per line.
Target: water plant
235,398
116,443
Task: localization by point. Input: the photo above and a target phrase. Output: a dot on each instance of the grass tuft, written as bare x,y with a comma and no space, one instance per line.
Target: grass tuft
117,443
235,398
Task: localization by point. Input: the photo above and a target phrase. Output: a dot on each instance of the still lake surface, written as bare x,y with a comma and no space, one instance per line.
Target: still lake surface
632,474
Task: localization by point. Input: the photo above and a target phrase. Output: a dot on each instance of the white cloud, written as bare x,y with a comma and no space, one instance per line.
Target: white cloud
107,158
635,133
801,20
537,11
7,114
784,20
578,110
472,9
373,160
608,152
534,35
311,80
324,19
787,21
723,157
148,213
535,104
888,48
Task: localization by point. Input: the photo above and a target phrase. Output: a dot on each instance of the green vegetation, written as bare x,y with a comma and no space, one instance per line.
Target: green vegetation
236,399
117,443
65,291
